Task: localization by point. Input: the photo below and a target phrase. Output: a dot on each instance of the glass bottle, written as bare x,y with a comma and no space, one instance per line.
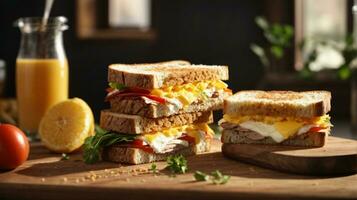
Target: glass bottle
41,69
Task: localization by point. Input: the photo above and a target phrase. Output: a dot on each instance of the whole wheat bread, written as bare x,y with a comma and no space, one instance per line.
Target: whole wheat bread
137,106
278,103
158,75
134,124
120,154
308,139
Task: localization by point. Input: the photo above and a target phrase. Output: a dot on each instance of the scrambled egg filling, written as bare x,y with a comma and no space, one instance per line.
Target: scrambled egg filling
279,128
190,92
159,140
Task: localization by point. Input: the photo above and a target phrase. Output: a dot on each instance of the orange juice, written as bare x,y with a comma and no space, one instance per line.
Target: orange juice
40,83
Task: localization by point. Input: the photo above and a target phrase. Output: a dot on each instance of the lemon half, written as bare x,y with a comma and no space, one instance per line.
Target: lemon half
66,125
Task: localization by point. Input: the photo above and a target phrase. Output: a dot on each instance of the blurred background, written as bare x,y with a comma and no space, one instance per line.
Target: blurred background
267,44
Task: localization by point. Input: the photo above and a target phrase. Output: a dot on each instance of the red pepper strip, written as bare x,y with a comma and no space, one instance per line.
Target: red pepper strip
140,145
132,94
316,129
187,138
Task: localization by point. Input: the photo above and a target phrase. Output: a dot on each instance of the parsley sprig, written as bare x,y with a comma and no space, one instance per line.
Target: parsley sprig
216,177
153,168
177,164
93,145
200,176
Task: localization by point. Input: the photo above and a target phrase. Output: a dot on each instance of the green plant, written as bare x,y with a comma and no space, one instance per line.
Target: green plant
346,49
279,38
177,164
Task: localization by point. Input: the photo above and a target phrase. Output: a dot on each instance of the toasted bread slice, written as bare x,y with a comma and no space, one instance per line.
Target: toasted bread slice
120,154
158,75
278,103
134,124
138,106
308,139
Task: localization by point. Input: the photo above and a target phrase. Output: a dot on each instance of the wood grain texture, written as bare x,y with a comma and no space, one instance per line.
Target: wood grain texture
46,176
338,156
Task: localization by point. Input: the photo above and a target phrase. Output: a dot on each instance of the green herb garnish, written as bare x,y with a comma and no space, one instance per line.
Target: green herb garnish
216,177
117,86
200,176
219,178
93,145
153,168
65,157
177,164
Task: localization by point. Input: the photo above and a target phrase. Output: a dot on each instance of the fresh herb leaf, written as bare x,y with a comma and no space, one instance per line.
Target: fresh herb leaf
200,176
117,86
93,145
153,168
177,164
65,157
219,178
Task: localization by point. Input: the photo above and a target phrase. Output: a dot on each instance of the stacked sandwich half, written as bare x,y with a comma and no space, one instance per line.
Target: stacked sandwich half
161,109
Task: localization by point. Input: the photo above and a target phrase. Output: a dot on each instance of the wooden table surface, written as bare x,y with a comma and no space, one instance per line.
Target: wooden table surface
46,176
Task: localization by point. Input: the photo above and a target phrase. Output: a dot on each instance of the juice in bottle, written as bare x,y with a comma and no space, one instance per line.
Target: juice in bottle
40,83
41,69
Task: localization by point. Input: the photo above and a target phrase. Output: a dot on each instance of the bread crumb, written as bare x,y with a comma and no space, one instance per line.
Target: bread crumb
143,180
77,180
65,179
127,179
43,179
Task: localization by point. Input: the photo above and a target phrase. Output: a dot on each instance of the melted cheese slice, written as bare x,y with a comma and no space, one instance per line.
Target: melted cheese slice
159,140
190,92
278,128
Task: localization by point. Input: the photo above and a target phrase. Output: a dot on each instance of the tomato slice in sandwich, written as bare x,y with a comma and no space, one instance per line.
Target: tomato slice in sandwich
189,139
137,94
140,145
316,129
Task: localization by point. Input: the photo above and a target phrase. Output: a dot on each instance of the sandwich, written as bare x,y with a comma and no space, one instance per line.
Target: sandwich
145,140
168,88
276,118
161,109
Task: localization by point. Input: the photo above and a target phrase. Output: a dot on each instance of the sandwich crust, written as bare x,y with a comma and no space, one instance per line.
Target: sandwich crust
134,124
308,139
120,154
157,75
278,103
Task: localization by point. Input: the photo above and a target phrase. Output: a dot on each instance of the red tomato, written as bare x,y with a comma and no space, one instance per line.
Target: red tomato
14,147
140,145
189,139
316,129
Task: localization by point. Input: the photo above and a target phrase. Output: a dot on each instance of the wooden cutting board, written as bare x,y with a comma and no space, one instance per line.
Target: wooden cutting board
338,156
46,176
